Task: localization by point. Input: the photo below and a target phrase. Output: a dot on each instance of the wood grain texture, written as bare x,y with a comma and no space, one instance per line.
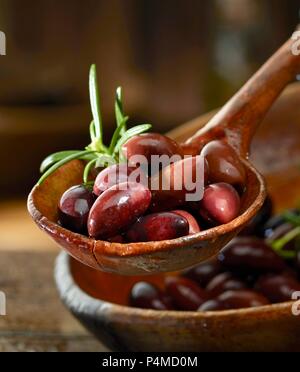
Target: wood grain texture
36,320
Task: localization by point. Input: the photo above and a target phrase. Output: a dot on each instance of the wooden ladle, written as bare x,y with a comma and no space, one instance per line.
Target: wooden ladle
236,122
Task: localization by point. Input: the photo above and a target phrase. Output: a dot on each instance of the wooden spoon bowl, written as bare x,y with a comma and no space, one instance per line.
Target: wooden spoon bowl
235,123
136,258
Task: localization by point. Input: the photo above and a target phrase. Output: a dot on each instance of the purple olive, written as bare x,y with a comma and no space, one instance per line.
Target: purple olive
150,144
240,299
275,222
220,204
278,288
204,273
157,227
224,164
116,239
250,255
74,207
193,224
224,282
177,183
212,305
113,175
147,296
256,225
117,208
280,232
185,293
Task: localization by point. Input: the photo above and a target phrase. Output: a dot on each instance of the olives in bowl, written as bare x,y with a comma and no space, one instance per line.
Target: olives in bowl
248,272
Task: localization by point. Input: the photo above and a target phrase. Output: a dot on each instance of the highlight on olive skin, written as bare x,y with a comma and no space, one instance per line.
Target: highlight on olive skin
202,191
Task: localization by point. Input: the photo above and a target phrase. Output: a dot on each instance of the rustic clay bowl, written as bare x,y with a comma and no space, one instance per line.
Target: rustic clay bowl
99,299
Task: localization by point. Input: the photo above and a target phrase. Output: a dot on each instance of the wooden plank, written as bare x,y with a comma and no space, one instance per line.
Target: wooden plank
36,319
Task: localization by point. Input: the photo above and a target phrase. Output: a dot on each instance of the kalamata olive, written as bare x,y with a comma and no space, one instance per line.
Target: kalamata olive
280,232
224,164
157,227
239,299
242,299
74,207
276,221
110,176
224,282
203,273
250,255
278,288
255,226
179,183
150,144
212,305
147,296
194,227
116,239
185,293
117,208
220,204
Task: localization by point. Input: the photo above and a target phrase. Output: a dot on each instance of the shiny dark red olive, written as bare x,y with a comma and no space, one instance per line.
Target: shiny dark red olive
74,207
250,255
224,164
117,208
256,225
239,299
111,176
116,239
224,282
204,273
212,305
158,227
220,204
275,222
179,183
150,144
242,299
280,232
146,296
278,288
194,227
185,293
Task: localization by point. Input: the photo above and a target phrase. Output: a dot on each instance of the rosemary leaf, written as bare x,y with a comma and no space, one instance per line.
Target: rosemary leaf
77,155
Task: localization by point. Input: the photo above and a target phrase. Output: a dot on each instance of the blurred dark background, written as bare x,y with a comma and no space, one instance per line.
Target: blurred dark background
175,59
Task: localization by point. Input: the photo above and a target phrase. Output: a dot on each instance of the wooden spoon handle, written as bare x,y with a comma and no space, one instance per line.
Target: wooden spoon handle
240,117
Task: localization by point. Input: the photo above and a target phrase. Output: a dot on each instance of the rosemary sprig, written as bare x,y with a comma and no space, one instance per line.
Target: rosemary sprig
96,154
279,245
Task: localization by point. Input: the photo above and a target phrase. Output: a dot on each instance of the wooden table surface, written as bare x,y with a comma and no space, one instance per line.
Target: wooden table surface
36,320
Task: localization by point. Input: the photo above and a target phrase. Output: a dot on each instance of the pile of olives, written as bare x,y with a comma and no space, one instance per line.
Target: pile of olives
250,271
118,210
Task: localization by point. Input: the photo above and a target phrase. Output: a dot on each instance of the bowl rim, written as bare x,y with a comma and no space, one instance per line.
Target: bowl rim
79,301
141,248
